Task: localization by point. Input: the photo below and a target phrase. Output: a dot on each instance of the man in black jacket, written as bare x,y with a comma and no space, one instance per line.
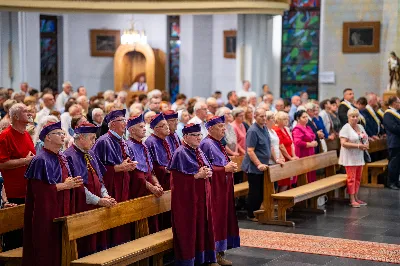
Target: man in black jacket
345,105
391,121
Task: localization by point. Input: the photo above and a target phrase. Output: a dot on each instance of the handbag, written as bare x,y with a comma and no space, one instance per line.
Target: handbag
367,156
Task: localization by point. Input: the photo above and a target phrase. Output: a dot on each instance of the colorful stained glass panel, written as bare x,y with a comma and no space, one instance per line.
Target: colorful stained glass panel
47,25
300,38
301,20
296,55
307,72
288,90
306,3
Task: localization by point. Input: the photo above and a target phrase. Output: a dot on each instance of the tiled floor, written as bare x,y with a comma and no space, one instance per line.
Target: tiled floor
378,222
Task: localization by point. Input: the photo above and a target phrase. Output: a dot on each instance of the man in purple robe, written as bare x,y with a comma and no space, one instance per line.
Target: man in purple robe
83,162
114,154
161,154
192,219
172,120
50,194
143,181
226,229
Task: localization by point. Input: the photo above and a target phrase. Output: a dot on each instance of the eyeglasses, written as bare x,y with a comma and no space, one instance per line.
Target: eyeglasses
196,135
58,133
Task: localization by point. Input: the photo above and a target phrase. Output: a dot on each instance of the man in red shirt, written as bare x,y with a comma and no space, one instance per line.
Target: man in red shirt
17,151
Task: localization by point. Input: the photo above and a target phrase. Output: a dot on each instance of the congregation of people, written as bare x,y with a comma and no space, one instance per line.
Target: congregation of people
67,153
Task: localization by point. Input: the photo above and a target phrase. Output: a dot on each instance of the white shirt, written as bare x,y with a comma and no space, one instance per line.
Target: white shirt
62,98
393,63
196,120
243,93
352,157
66,122
139,87
327,120
42,114
274,144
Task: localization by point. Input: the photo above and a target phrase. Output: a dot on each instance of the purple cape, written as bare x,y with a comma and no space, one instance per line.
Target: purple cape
45,167
108,150
184,160
157,151
172,143
213,152
138,151
78,165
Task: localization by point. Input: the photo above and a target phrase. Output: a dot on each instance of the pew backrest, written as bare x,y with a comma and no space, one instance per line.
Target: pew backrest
12,219
101,219
377,145
301,166
238,160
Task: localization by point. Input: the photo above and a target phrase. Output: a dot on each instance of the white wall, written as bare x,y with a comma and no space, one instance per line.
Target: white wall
223,69
97,73
258,54
358,71
186,55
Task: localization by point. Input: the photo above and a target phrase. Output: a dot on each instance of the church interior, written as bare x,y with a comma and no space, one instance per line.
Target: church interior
199,47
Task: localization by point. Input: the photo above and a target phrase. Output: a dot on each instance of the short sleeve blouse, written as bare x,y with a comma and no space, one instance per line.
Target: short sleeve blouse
274,144
352,157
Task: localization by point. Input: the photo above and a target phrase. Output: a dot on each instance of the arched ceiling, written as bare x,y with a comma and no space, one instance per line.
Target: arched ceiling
170,7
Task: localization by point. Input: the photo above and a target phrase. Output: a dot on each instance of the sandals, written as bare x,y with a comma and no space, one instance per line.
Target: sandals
355,204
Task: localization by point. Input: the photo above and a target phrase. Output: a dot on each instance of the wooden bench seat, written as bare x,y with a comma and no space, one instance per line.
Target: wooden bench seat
241,189
303,191
130,252
12,257
316,188
137,210
376,168
11,219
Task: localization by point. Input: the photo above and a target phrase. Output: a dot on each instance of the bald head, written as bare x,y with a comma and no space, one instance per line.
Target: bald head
48,100
296,100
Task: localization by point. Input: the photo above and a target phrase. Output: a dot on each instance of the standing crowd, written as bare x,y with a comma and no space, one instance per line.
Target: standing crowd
68,153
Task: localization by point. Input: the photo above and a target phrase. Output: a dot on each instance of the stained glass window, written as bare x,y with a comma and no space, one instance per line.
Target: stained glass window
48,52
300,48
174,49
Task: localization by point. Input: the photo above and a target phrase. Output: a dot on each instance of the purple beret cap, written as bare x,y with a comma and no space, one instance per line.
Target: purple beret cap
170,114
48,128
215,120
191,128
114,114
134,120
86,128
156,119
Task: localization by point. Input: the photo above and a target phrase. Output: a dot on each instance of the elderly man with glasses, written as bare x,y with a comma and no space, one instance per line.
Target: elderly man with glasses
173,139
93,194
226,229
161,154
50,194
115,155
192,219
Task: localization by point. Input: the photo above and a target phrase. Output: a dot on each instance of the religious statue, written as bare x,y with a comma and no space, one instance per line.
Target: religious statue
394,71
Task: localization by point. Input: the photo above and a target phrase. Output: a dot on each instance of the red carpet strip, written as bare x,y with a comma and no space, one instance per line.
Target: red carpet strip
329,246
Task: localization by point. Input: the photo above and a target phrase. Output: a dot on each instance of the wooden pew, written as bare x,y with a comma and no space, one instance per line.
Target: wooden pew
304,191
241,189
377,167
138,210
11,219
